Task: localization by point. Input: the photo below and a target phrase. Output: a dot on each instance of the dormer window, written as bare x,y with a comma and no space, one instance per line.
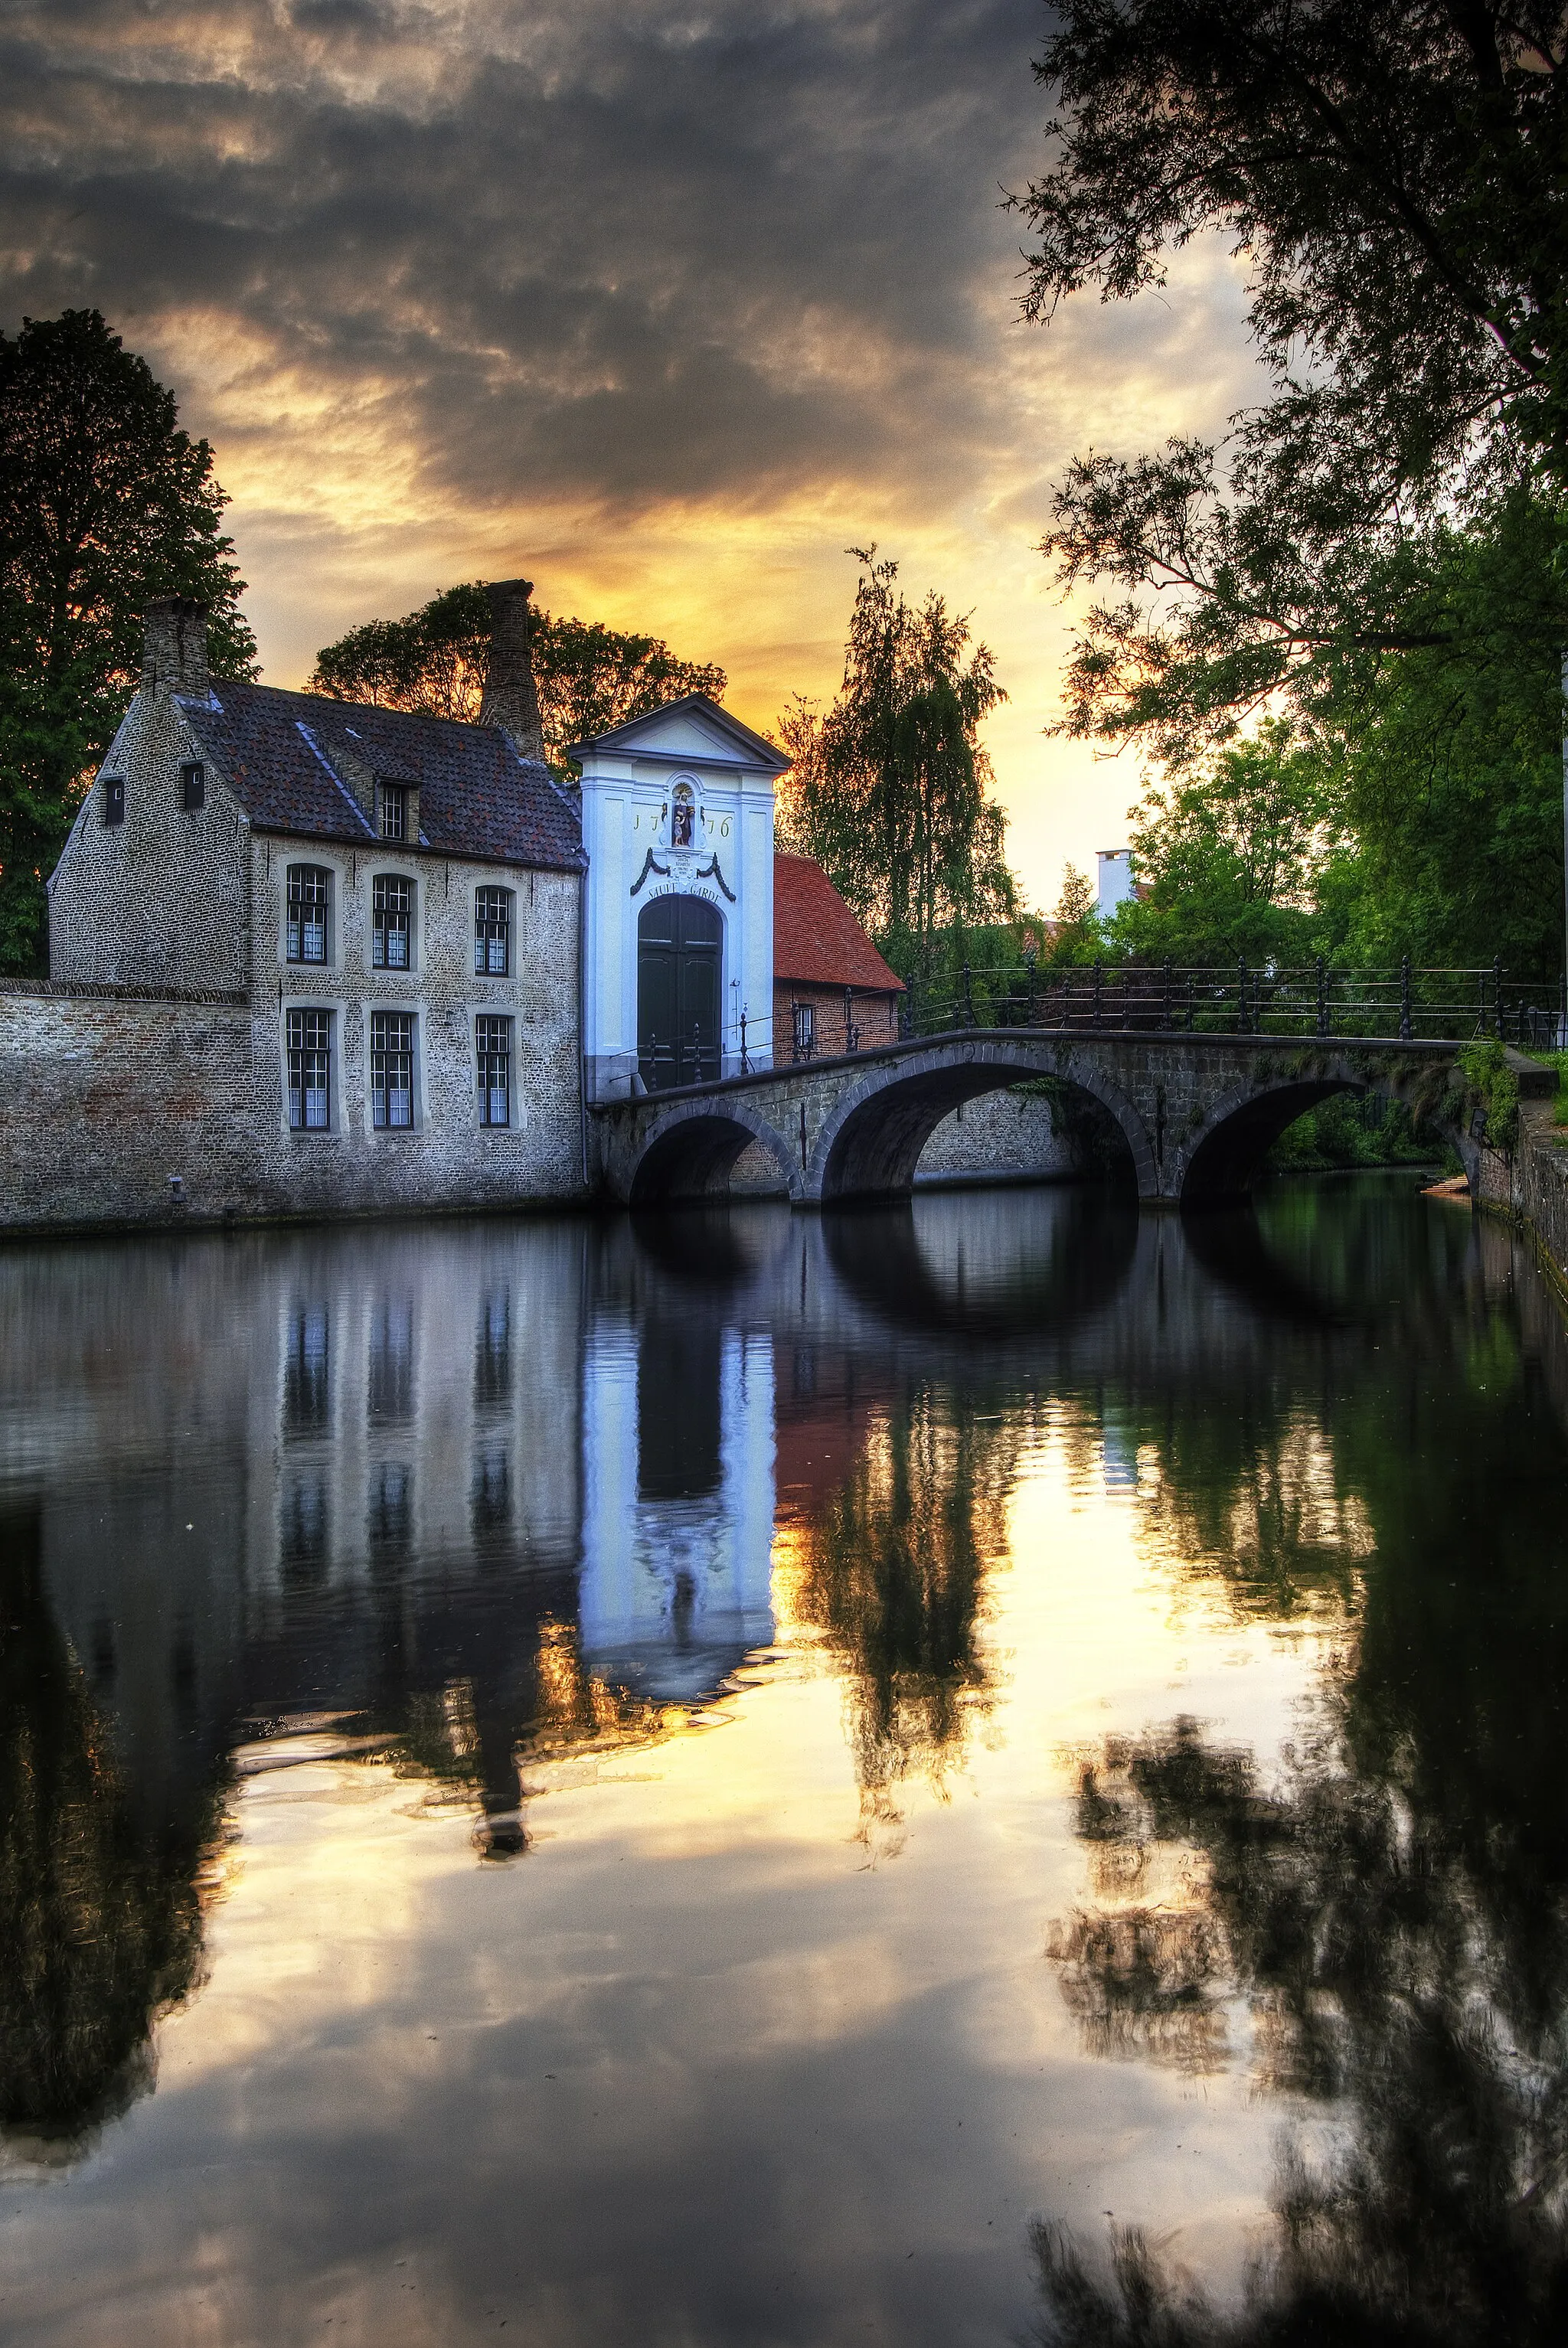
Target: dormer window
114,798
192,786
393,807
392,922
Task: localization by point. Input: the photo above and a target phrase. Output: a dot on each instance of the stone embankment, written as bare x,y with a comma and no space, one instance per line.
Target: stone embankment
1533,1185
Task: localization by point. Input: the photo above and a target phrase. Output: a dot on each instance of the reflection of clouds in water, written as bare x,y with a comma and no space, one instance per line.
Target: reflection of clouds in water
523,1586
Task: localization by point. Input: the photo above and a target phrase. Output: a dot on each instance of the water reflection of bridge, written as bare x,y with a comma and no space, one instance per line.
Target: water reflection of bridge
502,1493
273,1475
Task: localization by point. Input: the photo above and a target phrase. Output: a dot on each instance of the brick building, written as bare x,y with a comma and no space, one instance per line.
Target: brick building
309,957
396,901
833,992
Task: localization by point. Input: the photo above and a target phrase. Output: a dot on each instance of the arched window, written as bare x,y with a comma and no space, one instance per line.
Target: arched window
305,932
391,921
492,932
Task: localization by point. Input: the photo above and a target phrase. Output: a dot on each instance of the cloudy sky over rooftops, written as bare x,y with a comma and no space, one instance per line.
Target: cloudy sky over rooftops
664,306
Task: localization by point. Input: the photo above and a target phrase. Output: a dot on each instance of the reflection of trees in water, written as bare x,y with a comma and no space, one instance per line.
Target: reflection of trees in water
1256,1490
1394,1966
1382,1930
100,1908
892,1573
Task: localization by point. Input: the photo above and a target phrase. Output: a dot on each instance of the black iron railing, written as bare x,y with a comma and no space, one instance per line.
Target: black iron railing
1394,1003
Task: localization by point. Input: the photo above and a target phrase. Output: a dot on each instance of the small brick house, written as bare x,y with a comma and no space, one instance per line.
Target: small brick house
396,897
833,992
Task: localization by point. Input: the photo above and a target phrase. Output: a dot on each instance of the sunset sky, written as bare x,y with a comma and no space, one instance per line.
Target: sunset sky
662,306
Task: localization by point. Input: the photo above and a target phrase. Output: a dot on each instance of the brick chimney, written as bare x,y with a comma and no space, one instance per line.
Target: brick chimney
510,699
174,647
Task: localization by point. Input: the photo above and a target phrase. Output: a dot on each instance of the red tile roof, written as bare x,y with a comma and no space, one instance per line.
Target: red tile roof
817,940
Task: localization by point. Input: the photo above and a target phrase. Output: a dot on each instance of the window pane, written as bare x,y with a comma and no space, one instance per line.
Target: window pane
305,928
493,1049
310,1070
392,911
492,931
392,1069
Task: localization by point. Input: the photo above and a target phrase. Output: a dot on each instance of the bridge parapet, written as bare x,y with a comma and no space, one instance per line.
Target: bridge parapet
1188,1118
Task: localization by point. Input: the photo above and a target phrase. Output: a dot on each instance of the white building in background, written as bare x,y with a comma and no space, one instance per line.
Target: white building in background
678,830
1115,882
679,1501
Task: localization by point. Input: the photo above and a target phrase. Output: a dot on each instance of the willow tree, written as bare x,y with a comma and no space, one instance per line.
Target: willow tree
888,788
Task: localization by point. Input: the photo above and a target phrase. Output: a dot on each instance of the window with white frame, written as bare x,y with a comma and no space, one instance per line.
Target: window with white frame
392,1070
305,927
310,1071
391,921
492,932
493,1039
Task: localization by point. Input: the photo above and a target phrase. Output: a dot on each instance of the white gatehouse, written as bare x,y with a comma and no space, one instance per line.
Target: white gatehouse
678,826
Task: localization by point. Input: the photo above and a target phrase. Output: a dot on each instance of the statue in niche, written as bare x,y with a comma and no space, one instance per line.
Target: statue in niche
683,817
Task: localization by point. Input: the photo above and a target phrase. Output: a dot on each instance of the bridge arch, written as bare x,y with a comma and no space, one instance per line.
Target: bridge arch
868,1144
692,1149
1220,1162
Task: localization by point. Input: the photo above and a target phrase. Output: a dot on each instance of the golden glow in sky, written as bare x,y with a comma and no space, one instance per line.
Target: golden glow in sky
664,308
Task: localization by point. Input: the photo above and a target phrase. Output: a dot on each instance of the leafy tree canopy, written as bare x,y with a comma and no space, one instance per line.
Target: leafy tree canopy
104,504
889,786
1392,171
1229,856
1419,813
590,677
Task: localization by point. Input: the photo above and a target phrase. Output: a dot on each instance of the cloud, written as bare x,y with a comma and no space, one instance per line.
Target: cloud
654,291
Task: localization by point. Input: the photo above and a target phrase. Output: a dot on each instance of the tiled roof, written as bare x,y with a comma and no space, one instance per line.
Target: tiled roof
291,759
817,940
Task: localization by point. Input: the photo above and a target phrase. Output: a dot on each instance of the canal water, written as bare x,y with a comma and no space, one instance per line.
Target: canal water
920,1776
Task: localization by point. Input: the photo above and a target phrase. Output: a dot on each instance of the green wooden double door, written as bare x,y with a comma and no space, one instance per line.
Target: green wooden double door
680,953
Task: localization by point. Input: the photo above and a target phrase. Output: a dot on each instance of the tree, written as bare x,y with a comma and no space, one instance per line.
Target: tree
1392,170
104,504
888,789
590,677
1229,856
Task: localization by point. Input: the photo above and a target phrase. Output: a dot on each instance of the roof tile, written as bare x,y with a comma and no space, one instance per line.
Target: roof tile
289,756
817,940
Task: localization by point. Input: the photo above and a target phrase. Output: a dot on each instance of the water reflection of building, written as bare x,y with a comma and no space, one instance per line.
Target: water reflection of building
678,1515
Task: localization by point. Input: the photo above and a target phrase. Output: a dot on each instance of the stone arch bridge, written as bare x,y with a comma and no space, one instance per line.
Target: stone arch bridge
1187,1119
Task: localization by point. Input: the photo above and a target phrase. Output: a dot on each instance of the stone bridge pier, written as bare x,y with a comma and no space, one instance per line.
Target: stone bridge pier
1184,1119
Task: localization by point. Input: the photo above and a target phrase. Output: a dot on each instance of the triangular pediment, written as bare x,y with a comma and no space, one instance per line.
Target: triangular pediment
694,728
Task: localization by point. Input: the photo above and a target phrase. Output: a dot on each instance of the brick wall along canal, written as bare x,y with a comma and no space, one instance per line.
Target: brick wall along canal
690,1781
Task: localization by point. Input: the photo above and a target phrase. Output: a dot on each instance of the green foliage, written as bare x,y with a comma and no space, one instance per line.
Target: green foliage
889,789
1349,1131
1391,169
1494,1087
104,504
1418,810
590,677
1228,856
1449,767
